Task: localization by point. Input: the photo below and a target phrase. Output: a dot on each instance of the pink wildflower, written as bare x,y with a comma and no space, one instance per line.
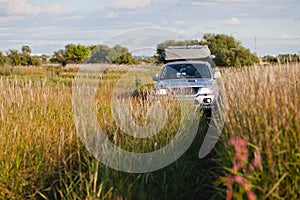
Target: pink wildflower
239,179
241,152
229,188
251,195
240,161
257,159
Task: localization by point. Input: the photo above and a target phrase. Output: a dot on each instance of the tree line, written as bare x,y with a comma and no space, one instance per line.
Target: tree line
227,50
14,57
71,54
282,58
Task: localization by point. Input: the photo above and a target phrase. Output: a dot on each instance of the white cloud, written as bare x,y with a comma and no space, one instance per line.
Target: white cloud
5,19
181,32
179,22
232,1
74,17
287,36
164,22
18,7
168,2
200,3
210,26
215,2
131,4
233,22
112,15
243,15
57,8
4,34
140,23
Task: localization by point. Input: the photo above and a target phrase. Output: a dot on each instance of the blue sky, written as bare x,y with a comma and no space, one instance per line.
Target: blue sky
47,26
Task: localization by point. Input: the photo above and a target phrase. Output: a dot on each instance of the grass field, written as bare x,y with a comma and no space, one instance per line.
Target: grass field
257,155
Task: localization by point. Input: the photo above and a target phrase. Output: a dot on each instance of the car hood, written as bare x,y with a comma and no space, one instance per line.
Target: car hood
175,83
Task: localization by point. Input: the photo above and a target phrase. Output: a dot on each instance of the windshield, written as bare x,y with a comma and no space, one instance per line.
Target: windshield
186,70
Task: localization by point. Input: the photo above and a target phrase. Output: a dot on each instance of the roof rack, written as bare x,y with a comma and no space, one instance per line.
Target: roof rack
195,52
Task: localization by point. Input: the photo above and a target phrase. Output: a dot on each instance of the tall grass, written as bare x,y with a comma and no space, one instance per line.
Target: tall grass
41,157
36,129
264,105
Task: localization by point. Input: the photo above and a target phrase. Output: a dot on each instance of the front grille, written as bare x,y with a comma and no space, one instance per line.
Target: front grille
185,91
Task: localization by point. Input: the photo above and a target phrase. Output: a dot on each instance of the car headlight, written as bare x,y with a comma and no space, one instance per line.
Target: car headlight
206,90
161,91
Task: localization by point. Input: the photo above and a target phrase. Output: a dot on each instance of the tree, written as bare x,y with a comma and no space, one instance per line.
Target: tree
45,58
76,53
14,57
35,61
125,58
59,57
71,54
3,59
25,55
100,54
287,58
116,55
228,51
116,52
26,50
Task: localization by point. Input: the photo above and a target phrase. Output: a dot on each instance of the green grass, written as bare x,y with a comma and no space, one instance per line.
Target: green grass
42,158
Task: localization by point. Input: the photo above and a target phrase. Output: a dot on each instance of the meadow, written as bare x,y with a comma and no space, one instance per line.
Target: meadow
256,157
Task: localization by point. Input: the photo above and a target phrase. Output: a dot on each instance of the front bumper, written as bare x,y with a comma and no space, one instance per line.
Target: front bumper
205,101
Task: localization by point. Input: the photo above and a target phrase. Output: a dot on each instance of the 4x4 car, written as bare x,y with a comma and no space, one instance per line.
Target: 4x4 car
189,78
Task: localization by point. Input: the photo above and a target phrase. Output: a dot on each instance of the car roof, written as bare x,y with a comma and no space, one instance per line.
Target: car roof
188,62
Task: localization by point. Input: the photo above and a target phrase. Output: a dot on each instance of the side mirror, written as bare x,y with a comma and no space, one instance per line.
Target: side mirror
217,75
155,77
212,56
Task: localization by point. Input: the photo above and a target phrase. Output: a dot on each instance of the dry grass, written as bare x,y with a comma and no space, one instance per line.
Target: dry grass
36,129
264,105
40,155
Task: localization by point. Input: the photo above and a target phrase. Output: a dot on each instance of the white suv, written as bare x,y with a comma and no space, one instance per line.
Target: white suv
188,79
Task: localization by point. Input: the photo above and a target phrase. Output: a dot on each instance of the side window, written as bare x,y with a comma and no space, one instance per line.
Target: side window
204,71
210,72
163,73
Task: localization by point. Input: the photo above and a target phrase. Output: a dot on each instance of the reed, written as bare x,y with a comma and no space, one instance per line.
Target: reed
264,106
41,156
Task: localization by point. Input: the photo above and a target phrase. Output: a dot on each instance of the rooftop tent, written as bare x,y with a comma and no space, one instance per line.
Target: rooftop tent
187,52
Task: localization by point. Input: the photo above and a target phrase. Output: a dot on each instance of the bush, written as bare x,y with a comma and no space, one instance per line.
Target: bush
5,71
3,59
228,51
